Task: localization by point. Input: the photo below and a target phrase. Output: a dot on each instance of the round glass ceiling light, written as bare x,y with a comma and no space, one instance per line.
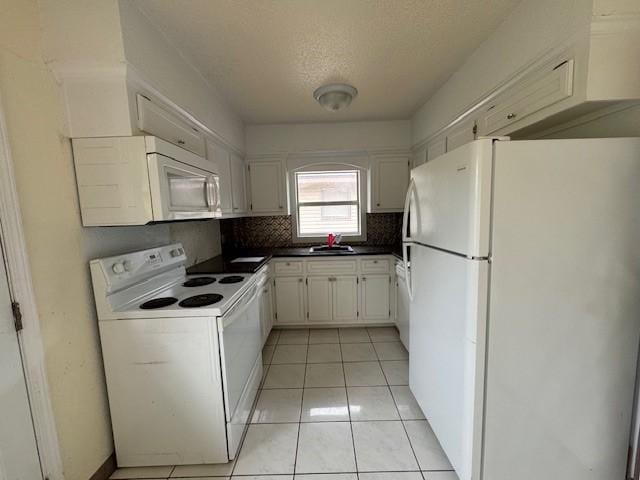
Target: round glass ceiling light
336,96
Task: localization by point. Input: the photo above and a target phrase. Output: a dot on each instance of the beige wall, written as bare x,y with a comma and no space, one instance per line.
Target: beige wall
58,247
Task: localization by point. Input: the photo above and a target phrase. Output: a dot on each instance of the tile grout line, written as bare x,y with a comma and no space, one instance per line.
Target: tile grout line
346,391
304,381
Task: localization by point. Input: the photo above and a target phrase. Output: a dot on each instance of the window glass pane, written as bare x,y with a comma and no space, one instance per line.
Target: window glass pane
318,221
327,186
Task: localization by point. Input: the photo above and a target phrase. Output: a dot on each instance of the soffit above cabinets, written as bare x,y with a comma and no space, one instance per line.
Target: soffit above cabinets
267,57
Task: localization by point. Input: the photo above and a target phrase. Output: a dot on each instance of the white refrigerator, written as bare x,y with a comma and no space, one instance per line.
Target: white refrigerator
525,305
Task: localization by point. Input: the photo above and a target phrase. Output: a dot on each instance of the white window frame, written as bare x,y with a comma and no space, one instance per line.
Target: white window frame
362,196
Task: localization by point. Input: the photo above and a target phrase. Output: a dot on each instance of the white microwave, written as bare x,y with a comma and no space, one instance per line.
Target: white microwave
141,180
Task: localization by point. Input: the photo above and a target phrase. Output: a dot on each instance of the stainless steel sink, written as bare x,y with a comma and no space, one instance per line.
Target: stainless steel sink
333,250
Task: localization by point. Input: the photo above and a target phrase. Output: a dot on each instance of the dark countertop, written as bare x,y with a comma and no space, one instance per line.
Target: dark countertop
223,264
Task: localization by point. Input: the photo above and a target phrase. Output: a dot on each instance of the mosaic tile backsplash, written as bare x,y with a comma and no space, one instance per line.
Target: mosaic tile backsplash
277,231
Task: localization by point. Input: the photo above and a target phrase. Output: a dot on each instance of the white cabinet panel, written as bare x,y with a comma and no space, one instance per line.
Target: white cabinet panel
267,188
345,298
436,147
419,157
375,298
390,182
238,184
290,300
220,156
536,91
319,299
461,134
266,309
158,121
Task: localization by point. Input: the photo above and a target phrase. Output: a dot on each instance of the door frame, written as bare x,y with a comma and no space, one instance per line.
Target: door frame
21,289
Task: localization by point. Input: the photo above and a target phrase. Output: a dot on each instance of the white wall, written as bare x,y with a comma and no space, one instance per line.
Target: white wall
59,248
339,136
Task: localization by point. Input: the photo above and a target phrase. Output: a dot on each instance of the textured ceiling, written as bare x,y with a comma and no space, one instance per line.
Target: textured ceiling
266,57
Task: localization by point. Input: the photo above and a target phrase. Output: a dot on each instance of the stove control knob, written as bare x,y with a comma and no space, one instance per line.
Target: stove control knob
118,268
176,252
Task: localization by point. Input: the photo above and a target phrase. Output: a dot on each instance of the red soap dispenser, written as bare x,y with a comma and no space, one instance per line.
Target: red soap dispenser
330,239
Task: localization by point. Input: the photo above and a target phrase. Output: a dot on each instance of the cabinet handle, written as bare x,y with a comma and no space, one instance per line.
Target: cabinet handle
375,261
511,116
377,204
287,264
299,280
280,207
180,142
364,279
265,291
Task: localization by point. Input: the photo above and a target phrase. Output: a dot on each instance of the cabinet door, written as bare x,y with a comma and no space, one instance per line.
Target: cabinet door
391,182
267,192
461,134
159,121
220,156
238,184
266,310
436,147
345,298
290,300
419,157
319,299
375,298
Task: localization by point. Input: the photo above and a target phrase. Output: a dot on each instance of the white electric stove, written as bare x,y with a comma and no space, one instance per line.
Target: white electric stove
182,357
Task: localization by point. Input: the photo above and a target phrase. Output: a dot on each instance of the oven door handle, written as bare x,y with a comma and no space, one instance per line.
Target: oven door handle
240,306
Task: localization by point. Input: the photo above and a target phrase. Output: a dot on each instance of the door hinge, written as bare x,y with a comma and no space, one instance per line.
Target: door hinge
249,168
357,314
475,129
276,315
17,316
251,206
306,281
307,314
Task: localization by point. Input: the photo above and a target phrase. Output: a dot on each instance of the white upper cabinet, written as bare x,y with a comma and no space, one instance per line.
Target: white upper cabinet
160,122
267,187
419,156
536,91
390,179
238,184
463,133
436,147
231,171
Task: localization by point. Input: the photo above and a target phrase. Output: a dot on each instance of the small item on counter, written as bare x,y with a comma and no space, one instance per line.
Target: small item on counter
330,239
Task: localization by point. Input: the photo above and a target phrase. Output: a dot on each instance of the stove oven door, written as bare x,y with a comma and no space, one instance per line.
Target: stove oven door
240,333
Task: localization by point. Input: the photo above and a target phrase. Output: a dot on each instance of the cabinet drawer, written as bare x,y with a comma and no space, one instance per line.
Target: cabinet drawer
288,268
162,123
331,267
375,265
540,90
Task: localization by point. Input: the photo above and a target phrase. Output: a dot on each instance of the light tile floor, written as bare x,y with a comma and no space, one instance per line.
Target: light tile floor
334,405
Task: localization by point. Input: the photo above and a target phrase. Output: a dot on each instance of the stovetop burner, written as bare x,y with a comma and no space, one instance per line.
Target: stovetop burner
232,279
199,282
158,303
201,300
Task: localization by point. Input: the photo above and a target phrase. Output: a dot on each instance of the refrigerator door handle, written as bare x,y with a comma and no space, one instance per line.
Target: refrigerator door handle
407,238
407,273
407,206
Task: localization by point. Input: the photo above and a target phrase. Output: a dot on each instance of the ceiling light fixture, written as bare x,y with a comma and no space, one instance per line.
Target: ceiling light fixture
335,96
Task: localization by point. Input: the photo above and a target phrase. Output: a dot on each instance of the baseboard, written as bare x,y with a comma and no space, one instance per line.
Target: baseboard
106,469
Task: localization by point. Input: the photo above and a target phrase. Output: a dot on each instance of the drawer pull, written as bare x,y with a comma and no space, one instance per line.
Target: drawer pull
180,142
511,116
299,280
364,279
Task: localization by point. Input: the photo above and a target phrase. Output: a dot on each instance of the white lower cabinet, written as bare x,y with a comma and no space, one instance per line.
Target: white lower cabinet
290,308
265,299
329,291
375,298
345,299
319,299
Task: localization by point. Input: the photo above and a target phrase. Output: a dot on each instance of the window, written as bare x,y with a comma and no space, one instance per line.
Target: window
328,201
